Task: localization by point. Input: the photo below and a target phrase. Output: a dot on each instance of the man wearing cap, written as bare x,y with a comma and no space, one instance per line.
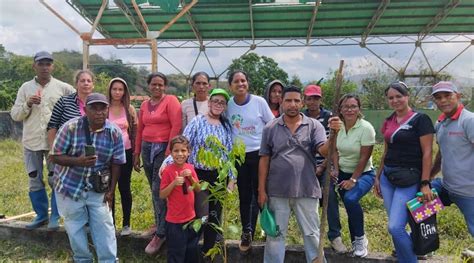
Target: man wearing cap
33,106
312,100
455,158
78,202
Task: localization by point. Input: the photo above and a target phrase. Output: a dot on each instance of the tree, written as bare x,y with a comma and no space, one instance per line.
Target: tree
328,88
260,69
296,81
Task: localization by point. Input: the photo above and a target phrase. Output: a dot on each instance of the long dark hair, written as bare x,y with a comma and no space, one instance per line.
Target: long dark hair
157,74
232,74
399,86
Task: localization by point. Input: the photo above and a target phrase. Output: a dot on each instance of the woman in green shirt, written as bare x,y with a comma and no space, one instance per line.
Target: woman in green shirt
353,173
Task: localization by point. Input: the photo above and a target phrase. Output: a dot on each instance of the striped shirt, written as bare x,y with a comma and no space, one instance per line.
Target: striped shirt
65,109
323,118
197,132
70,140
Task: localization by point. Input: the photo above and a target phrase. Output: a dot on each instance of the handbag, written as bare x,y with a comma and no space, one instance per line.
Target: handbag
100,180
421,211
424,235
267,222
403,176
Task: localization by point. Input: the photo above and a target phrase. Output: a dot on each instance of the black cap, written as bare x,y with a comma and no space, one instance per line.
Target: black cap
96,98
42,55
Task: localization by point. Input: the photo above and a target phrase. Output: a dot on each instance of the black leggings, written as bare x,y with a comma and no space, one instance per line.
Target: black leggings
214,210
247,182
124,189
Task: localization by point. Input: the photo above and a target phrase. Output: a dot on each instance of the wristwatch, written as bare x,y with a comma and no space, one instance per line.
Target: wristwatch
425,182
353,180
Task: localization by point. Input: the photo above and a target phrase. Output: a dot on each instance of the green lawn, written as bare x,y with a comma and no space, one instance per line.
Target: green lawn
14,201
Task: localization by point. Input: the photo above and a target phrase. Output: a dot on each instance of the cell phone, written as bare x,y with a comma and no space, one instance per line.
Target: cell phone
89,150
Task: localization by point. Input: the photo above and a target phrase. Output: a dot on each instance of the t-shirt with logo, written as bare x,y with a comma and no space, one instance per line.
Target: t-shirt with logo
248,121
455,137
404,147
180,204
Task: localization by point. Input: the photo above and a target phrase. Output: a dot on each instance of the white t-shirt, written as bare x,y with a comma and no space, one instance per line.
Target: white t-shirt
248,121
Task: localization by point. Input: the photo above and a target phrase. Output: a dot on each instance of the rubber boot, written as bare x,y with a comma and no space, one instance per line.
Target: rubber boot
54,218
39,201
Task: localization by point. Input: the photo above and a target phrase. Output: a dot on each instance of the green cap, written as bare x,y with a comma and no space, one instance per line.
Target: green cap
222,92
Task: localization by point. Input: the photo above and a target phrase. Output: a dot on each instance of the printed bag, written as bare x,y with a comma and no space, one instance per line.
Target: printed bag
419,211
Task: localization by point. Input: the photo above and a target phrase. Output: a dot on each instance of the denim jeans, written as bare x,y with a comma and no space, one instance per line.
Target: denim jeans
247,183
465,204
351,200
151,165
34,167
90,208
306,213
394,200
182,243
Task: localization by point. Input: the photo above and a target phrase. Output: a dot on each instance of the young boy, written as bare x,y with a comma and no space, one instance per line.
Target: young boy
177,184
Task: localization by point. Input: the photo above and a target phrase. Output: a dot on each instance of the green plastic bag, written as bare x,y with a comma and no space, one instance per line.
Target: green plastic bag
267,222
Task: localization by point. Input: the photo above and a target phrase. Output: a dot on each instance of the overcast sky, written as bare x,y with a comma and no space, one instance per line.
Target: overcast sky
26,26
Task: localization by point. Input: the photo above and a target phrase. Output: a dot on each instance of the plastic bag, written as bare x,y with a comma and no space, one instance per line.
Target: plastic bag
267,222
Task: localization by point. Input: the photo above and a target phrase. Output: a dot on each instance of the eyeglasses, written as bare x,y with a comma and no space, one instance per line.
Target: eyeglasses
221,103
347,108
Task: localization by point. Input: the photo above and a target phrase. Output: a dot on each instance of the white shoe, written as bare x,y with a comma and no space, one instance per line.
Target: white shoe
126,231
338,246
359,246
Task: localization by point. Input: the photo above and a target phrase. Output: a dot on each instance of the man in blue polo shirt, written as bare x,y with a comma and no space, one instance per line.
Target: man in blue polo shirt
455,158
78,201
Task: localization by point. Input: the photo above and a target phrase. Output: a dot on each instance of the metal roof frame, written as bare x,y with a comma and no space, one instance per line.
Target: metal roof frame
273,23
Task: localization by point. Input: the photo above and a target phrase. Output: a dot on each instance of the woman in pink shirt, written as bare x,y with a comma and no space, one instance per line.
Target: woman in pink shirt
159,120
122,114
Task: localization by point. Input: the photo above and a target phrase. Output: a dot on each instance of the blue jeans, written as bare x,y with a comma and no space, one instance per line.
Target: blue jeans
151,165
306,213
90,208
182,243
351,200
394,200
465,204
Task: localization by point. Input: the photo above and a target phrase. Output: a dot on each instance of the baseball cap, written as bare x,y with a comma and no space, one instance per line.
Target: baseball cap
313,90
97,98
42,55
446,86
222,92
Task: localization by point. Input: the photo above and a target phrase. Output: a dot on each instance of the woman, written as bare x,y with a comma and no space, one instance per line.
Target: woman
71,106
353,170
198,130
66,108
124,116
405,165
248,115
159,120
273,94
198,104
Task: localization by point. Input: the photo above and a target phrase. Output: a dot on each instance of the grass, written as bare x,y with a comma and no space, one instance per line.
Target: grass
14,201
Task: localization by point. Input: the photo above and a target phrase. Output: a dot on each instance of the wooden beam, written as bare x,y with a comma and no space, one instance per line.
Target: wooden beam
130,17
178,16
442,14
313,21
375,18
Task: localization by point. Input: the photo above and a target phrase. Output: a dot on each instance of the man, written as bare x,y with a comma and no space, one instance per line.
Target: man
312,100
33,106
455,158
78,201
287,178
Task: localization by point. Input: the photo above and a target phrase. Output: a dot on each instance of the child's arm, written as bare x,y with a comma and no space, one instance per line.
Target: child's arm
165,192
191,177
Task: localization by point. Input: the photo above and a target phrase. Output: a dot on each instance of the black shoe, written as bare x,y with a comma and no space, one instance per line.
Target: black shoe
245,243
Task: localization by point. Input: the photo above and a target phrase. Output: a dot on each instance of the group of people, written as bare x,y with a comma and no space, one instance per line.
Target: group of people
286,160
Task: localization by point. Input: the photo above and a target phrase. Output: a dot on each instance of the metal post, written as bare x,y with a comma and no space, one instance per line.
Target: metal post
85,54
154,55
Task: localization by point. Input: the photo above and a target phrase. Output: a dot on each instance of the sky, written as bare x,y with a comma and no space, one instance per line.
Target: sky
26,26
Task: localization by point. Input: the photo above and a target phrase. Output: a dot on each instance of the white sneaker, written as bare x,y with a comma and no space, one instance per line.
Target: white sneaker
359,246
338,246
126,231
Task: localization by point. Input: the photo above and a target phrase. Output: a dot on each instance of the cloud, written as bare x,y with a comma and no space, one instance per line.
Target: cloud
26,26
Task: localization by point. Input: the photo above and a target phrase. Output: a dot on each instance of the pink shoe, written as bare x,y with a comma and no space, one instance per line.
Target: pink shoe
154,246
150,232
